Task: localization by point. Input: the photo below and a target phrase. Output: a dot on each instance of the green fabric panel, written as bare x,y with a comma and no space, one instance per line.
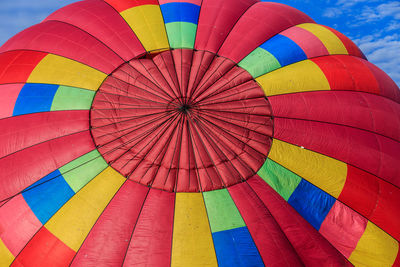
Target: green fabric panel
259,62
181,34
71,98
279,178
222,211
82,170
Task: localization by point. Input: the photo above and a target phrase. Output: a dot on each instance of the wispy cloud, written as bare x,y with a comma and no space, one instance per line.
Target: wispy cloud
351,3
390,9
332,12
383,52
393,26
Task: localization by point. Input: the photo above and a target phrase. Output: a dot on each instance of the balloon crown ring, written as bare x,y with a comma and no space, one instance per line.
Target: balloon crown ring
198,126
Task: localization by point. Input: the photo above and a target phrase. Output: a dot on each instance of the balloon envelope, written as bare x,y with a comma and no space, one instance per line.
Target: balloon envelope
195,133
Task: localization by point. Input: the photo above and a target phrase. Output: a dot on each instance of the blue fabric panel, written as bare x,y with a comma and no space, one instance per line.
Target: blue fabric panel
48,195
35,98
186,12
236,248
284,50
311,202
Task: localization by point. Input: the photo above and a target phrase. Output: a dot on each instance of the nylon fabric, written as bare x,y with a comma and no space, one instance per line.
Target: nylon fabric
312,203
359,148
54,254
157,216
311,246
73,221
351,226
283,181
192,243
70,98
36,163
34,98
236,248
324,172
332,43
183,12
152,33
58,70
222,212
274,248
47,195
10,94
113,233
106,25
254,28
64,40
5,256
375,247
19,224
195,133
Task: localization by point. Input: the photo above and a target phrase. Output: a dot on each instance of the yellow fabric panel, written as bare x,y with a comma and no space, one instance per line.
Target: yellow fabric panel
192,243
332,43
302,76
324,172
148,24
72,223
63,71
6,258
375,248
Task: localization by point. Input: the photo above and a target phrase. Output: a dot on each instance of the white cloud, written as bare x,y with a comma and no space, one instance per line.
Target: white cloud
332,12
383,52
394,25
390,9
351,3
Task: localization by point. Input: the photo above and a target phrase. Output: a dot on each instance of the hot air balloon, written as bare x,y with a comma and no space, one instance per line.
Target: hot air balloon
195,133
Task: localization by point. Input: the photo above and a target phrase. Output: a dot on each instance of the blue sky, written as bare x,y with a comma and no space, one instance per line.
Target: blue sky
374,25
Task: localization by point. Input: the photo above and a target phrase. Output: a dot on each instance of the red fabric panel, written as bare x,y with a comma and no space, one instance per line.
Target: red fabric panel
216,20
27,130
348,73
274,247
107,242
124,5
17,223
360,191
368,151
105,24
374,198
21,169
364,111
397,261
186,180
68,41
386,85
343,227
351,47
262,21
216,70
182,63
311,247
9,94
44,250
17,66
201,62
309,43
151,243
